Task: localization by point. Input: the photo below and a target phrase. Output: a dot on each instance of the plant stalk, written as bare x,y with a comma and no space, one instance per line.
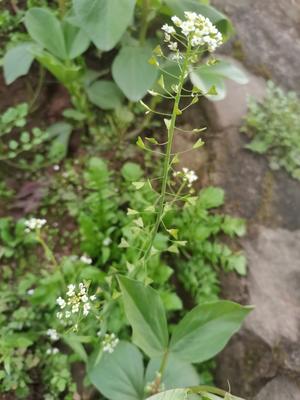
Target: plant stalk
167,160
144,22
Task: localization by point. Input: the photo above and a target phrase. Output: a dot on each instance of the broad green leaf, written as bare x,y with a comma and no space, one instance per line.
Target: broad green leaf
220,20
105,21
205,330
17,62
174,394
206,77
65,74
211,197
131,171
132,71
105,94
76,40
46,30
146,315
120,375
177,373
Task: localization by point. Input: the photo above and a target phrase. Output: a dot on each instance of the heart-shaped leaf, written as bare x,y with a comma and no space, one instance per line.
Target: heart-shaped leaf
205,330
146,315
104,21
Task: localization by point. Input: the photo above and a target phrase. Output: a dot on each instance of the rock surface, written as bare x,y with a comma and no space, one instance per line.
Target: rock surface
278,389
263,361
268,33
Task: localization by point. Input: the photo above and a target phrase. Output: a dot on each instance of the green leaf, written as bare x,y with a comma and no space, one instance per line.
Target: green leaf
46,30
97,174
174,394
132,71
205,330
105,94
207,76
63,73
76,40
238,263
131,171
172,302
120,375
211,197
61,132
234,226
177,373
105,21
17,62
146,315
75,343
198,144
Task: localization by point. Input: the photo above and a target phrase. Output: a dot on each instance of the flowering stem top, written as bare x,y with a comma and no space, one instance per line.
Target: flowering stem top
187,39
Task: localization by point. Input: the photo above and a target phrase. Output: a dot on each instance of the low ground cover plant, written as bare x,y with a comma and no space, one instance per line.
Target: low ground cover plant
98,290
273,126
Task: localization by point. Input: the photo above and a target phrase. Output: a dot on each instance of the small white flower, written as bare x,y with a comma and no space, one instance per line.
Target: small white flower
61,302
56,167
82,288
107,241
168,29
86,309
85,259
67,314
55,350
173,46
93,297
30,292
71,290
109,343
34,223
75,308
85,298
59,315
167,37
52,333
176,21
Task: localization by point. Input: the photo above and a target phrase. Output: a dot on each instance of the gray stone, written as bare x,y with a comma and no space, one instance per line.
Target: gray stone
269,36
231,111
280,388
268,345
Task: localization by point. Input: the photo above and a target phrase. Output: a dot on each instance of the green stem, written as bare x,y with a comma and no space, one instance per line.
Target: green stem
167,161
163,363
208,389
48,252
62,7
38,88
144,21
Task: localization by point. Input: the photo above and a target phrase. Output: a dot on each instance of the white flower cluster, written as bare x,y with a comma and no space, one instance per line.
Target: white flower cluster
34,223
109,343
77,301
197,29
54,350
187,175
52,333
85,259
